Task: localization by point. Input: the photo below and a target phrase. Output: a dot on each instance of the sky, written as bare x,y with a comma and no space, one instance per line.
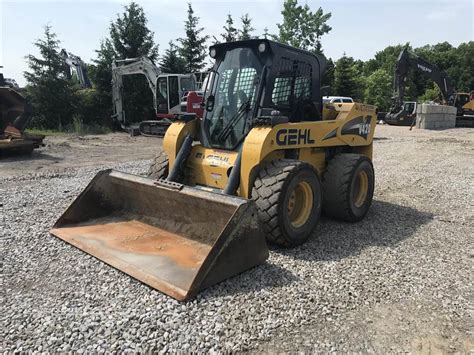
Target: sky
360,28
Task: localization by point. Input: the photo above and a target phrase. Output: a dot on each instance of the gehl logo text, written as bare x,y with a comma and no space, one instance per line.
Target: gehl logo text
294,136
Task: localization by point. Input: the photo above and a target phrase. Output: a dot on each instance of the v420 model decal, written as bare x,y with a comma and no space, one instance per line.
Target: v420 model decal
359,126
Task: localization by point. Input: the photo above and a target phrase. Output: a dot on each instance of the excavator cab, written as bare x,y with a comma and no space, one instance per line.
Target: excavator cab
171,88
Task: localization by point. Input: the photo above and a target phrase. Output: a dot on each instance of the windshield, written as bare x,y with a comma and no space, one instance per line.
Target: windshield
188,84
463,98
235,90
410,107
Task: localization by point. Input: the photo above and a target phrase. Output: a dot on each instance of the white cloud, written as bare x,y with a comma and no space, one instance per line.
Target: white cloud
441,14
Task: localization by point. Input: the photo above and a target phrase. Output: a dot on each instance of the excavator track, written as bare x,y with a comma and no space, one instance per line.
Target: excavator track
154,128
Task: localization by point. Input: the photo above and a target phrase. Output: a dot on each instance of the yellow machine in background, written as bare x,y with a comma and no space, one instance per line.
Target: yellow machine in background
261,165
464,103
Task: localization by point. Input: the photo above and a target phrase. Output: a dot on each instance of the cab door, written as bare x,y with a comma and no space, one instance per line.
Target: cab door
174,93
162,99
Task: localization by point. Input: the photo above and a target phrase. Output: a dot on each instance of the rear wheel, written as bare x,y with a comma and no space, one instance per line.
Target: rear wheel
288,199
159,166
348,187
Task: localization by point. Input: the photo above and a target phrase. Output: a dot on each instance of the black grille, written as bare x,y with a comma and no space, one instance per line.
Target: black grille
292,83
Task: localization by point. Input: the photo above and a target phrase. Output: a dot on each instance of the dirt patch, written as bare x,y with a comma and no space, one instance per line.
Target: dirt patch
66,151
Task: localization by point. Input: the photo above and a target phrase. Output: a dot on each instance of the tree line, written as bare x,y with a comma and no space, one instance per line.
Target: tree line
60,102
372,81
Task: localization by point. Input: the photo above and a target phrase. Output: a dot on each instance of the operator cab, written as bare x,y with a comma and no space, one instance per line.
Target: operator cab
254,79
410,108
171,88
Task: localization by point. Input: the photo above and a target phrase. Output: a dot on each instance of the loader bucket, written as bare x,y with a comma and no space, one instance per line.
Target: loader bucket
176,239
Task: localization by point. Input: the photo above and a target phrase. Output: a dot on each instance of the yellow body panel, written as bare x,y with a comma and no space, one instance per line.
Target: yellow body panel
353,126
314,156
209,167
469,106
174,137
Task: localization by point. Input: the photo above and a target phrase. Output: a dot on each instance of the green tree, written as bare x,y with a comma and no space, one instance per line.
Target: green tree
301,27
193,46
89,110
129,38
247,29
130,35
171,62
457,63
378,90
100,71
462,72
231,32
384,59
345,78
328,77
432,93
49,90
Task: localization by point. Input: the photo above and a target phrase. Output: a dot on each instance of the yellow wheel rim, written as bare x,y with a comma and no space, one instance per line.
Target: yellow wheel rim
361,188
300,204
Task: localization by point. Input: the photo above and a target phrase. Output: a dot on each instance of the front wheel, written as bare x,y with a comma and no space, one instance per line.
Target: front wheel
159,166
288,198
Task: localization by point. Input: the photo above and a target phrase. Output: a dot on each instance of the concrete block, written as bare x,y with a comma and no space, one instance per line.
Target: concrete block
436,116
429,125
432,108
452,110
420,120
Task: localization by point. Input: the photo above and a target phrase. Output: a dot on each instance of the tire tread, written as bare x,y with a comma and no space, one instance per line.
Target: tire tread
336,183
267,188
159,166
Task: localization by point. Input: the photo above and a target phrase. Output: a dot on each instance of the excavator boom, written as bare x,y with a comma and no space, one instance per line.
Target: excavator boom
405,62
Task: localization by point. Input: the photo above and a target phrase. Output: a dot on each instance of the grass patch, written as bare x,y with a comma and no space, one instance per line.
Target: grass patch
77,128
81,129
44,132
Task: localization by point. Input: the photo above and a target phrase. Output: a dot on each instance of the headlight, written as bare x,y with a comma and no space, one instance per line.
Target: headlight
261,47
213,52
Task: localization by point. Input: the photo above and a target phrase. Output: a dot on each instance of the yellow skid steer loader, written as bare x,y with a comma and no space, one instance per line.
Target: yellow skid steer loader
261,165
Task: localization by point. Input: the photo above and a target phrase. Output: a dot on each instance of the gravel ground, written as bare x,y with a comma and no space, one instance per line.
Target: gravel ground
399,281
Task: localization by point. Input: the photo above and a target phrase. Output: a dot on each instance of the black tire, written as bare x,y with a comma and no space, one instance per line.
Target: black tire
343,187
159,166
277,184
